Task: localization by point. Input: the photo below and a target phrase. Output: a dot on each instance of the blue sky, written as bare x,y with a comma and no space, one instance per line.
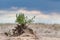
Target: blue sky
49,8
43,5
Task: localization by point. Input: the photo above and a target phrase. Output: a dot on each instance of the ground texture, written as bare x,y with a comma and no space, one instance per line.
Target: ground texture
41,31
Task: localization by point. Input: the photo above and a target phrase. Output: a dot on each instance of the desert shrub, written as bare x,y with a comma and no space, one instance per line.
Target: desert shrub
22,20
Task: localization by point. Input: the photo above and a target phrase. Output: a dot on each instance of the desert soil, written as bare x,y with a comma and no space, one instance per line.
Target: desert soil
42,31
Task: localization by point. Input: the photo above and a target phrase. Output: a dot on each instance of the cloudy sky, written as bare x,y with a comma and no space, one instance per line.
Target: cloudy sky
46,11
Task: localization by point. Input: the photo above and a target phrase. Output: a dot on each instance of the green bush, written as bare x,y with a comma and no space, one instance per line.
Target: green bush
22,19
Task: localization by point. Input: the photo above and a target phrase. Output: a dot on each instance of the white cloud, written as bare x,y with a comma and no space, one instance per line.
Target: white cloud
15,8
52,17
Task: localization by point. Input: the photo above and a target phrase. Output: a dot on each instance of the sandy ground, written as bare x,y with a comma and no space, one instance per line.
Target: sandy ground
43,32
49,38
28,38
